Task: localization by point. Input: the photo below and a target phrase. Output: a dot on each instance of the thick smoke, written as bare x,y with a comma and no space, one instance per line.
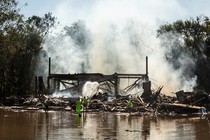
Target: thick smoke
180,61
109,40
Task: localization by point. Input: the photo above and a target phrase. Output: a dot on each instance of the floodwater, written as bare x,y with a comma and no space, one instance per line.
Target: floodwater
61,125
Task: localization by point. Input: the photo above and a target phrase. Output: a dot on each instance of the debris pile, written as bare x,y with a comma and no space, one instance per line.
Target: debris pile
183,103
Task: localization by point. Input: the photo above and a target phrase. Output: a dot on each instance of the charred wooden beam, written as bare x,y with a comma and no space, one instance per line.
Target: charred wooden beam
146,65
41,87
98,77
182,108
48,78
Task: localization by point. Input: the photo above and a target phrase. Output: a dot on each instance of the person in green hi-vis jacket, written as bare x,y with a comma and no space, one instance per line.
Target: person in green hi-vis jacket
78,106
130,104
84,102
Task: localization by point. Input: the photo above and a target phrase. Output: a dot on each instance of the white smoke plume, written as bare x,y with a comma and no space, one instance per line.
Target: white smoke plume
115,36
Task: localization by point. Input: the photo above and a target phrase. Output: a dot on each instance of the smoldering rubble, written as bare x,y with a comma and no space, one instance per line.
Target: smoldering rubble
156,104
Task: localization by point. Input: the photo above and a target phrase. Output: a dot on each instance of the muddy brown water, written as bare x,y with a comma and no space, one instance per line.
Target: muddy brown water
61,125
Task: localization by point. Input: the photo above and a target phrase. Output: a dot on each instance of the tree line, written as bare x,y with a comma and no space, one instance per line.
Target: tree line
192,40
21,38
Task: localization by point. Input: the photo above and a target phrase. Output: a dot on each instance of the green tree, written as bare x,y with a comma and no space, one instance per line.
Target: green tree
20,41
189,37
195,34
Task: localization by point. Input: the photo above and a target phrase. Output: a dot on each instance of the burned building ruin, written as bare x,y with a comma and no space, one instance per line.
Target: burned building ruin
109,83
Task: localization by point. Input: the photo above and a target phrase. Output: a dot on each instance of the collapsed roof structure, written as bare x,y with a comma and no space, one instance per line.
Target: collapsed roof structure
108,83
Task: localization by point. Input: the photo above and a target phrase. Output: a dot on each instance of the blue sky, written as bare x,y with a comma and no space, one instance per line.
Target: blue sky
149,11
172,9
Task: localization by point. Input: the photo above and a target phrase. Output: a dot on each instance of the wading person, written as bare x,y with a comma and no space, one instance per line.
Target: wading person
78,107
84,103
130,105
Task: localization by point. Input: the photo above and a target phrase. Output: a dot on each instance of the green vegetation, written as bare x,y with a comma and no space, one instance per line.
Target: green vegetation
20,40
189,38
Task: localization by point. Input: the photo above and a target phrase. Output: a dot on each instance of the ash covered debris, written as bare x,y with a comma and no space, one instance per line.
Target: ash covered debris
157,103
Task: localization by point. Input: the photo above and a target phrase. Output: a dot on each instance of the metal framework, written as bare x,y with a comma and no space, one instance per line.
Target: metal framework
74,80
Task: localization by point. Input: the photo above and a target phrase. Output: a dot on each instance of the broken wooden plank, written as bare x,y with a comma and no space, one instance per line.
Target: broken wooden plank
181,108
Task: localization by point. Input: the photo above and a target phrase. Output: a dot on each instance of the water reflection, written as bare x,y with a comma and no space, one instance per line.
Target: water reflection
38,125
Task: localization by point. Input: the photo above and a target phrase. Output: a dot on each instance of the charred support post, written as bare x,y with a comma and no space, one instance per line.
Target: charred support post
146,77
147,65
41,85
48,79
116,85
147,94
78,85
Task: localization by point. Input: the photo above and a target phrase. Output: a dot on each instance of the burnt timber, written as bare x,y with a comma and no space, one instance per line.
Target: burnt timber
69,80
